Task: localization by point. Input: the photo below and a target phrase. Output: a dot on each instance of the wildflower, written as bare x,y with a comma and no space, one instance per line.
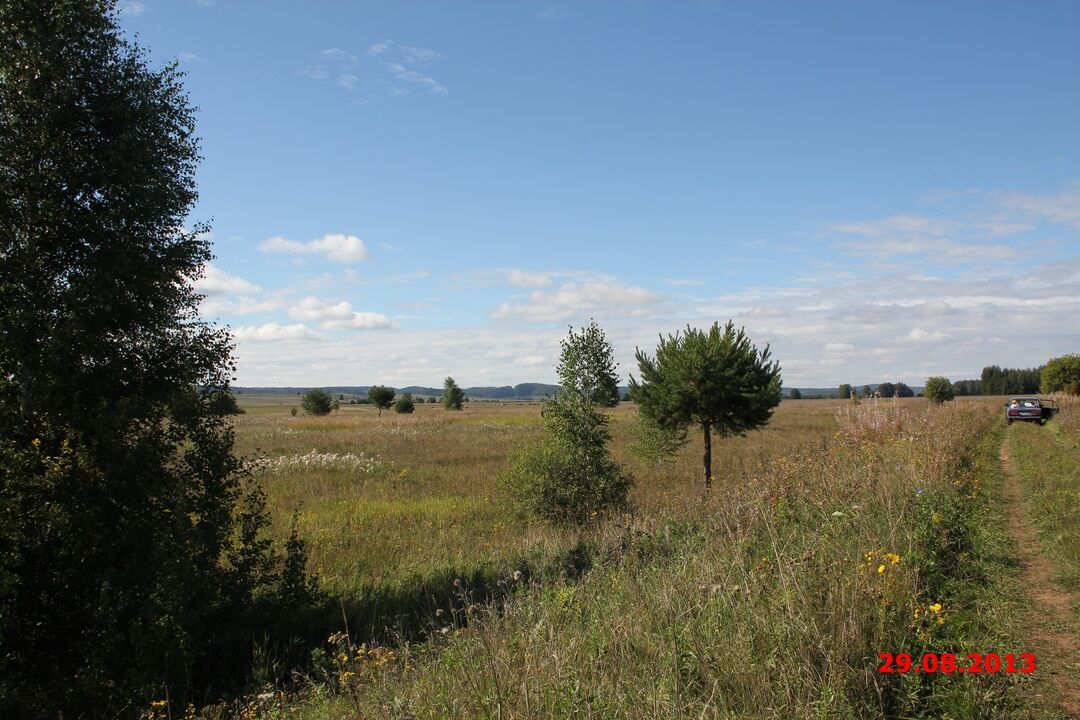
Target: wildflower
892,558
880,569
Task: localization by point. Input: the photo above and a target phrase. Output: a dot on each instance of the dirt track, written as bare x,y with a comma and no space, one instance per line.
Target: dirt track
1051,642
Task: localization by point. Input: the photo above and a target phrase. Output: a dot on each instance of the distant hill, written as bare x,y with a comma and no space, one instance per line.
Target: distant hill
830,391
522,391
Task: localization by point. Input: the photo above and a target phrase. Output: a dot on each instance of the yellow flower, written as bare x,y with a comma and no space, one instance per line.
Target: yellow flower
880,569
891,557
936,607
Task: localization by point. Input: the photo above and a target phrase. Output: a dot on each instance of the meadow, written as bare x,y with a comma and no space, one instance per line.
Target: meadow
835,533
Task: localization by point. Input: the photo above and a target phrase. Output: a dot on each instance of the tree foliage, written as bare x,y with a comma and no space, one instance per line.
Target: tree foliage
381,397
903,390
132,554
795,394
570,478
452,395
716,379
845,391
1062,374
1009,381
317,402
886,390
405,404
938,389
587,366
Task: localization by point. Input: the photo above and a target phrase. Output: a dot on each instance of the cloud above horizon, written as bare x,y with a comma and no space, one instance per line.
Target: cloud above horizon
335,247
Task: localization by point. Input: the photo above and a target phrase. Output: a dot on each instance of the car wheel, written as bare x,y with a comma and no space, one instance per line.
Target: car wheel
1008,421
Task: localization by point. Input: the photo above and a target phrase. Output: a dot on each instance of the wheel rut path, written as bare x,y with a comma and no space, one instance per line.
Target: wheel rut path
1054,647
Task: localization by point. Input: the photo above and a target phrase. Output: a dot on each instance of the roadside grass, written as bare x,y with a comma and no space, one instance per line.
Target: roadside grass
1047,461
830,540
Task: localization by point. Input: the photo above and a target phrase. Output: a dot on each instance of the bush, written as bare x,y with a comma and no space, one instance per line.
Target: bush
570,477
452,396
1062,374
317,402
381,397
404,404
938,389
566,483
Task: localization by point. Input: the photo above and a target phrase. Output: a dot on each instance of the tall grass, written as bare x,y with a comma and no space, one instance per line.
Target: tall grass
845,537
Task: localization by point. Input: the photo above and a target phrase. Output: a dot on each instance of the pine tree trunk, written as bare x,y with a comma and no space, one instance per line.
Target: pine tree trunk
707,457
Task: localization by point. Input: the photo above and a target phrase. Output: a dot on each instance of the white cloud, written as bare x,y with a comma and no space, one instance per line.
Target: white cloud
922,336
901,235
525,279
366,75
573,300
838,347
130,8
215,281
273,332
1063,207
338,316
336,247
683,283
188,58
243,305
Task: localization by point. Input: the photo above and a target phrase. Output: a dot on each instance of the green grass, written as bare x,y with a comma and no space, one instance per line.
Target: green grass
1047,460
761,599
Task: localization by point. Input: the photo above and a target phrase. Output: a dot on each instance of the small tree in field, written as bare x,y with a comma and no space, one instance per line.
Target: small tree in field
587,366
845,391
570,477
795,394
716,379
1062,374
404,404
452,395
381,397
938,389
317,402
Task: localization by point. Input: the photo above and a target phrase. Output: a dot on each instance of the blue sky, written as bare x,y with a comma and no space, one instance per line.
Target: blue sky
404,191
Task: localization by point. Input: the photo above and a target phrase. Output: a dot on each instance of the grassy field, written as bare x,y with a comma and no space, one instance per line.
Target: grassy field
834,534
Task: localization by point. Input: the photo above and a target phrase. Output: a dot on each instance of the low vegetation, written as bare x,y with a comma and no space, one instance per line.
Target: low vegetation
874,532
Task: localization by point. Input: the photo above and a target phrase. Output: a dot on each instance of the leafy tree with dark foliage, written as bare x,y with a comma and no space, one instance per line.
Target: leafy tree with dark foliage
317,402
405,404
938,389
845,391
716,379
1062,374
452,395
886,390
904,390
381,397
132,552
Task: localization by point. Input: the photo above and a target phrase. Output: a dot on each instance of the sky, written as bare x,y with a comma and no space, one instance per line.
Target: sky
402,191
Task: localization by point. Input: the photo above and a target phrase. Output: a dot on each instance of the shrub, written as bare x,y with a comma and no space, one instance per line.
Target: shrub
452,396
570,477
404,404
938,389
317,402
1062,374
381,397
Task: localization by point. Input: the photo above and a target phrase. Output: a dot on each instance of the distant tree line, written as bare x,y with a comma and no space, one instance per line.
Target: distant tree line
1009,381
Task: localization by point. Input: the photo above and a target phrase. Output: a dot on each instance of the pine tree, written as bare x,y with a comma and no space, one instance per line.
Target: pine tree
715,379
